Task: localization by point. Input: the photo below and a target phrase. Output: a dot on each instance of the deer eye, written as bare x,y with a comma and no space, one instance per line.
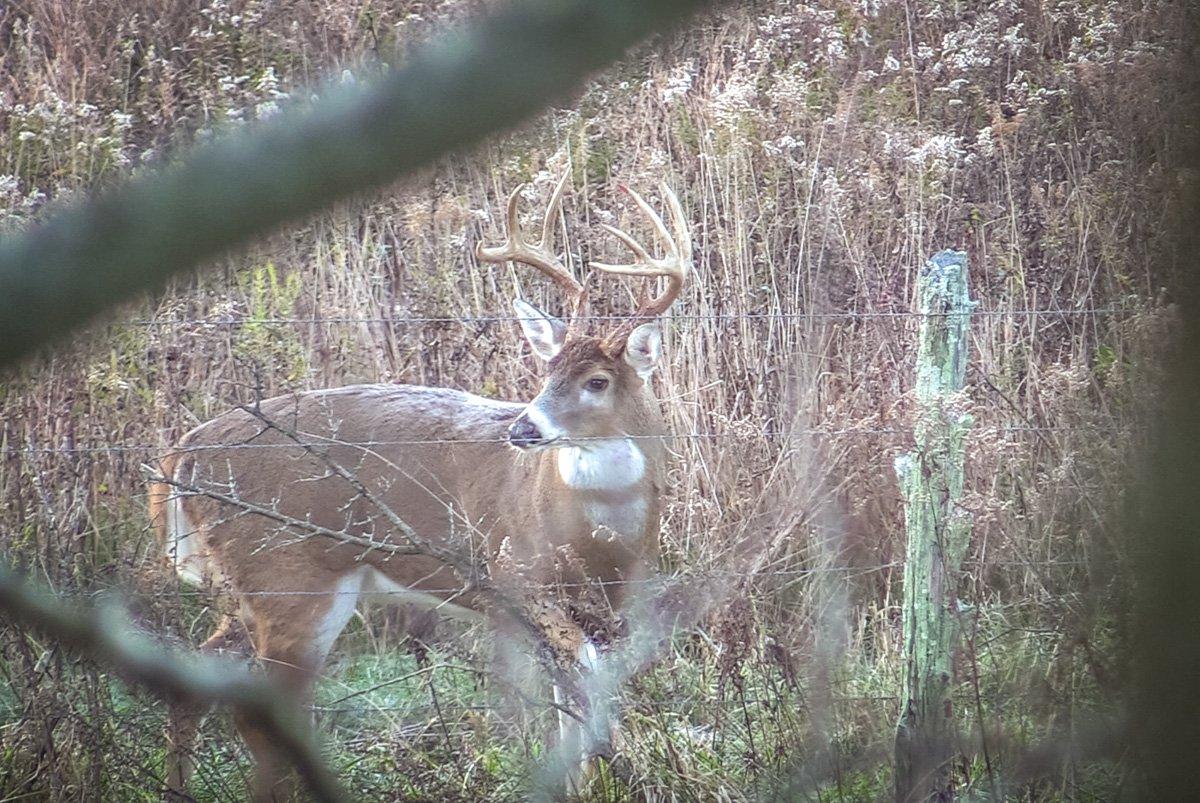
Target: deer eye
597,383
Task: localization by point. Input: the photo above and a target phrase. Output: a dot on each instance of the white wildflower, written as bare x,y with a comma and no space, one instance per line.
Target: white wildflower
736,98
939,153
229,83
869,8
658,161
896,144
781,25
679,82
831,188
835,47
985,141
268,81
790,91
783,146
33,200
762,50
1013,41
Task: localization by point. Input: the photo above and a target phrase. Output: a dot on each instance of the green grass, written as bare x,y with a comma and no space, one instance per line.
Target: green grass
398,729
1060,210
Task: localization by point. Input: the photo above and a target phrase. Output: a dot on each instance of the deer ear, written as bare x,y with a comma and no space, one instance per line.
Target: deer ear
643,349
545,333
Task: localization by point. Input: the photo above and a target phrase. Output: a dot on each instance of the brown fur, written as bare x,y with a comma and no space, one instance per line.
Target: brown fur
508,505
157,496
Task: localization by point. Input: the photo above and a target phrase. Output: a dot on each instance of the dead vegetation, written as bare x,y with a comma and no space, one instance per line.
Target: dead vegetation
821,153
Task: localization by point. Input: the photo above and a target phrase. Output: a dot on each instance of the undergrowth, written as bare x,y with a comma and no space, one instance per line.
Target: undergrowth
822,152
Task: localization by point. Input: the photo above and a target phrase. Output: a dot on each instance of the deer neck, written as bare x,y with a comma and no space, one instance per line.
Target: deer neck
609,482
606,465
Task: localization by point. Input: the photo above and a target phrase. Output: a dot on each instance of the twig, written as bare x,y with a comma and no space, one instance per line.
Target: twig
308,527
101,634
448,96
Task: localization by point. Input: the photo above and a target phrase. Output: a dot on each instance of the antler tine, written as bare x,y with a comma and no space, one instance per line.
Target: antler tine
538,256
683,237
553,207
675,266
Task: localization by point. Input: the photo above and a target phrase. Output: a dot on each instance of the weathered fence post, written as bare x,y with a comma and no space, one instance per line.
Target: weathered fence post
931,481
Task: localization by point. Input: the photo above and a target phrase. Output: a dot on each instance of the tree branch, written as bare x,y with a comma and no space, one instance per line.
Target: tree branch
469,83
101,634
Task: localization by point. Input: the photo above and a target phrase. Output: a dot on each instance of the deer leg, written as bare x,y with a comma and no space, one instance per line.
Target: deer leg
184,717
580,744
580,687
273,781
293,639
600,718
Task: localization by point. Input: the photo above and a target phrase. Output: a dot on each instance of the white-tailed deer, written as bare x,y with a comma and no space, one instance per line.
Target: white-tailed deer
408,489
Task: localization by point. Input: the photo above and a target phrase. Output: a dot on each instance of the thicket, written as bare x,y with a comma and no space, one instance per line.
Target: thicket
822,152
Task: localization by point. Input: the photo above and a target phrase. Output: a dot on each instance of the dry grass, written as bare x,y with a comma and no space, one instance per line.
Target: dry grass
821,153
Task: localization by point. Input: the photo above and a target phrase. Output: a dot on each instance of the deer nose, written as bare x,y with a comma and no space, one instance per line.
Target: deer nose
523,433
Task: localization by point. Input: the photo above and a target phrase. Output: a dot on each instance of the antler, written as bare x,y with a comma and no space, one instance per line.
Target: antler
675,266
537,256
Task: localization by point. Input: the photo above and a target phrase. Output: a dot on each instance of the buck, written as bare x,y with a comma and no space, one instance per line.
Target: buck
365,489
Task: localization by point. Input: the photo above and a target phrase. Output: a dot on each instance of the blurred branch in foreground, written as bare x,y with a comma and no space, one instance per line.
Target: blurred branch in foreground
479,79
101,634
1163,525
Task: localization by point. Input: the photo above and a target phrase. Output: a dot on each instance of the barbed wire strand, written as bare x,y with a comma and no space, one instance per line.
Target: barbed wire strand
421,709
710,316
748,574
324,442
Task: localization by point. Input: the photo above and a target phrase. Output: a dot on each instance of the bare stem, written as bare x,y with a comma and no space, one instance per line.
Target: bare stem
101,634
449,95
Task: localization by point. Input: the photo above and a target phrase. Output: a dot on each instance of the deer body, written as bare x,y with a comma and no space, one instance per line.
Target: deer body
436,457
302,503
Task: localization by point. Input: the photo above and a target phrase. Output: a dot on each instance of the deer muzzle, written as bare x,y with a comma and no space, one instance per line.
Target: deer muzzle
524,434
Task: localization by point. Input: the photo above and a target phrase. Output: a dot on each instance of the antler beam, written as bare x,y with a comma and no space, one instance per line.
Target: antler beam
538,256
675,266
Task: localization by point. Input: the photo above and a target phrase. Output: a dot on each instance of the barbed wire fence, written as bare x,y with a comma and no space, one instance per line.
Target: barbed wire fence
780,437
833,317
62,274
69,267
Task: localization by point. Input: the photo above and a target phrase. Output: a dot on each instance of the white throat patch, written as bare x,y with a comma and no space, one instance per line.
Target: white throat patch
606,465
617,520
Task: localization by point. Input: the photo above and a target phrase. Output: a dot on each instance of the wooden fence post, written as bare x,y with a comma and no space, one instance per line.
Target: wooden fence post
931,481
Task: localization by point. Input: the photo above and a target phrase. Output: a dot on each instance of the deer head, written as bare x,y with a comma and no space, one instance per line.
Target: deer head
596,386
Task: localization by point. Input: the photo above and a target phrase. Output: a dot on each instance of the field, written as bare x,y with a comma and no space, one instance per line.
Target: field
822,153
